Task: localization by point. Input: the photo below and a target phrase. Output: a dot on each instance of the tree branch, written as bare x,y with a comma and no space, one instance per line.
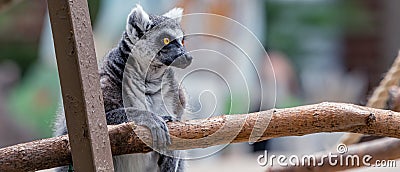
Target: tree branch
297,121
381,149
379,99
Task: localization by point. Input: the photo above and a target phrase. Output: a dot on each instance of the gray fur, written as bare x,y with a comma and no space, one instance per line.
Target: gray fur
138,85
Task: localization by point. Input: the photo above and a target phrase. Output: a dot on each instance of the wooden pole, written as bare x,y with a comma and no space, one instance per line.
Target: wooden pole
80,85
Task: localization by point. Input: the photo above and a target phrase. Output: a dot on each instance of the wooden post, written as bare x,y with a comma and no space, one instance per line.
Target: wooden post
80,85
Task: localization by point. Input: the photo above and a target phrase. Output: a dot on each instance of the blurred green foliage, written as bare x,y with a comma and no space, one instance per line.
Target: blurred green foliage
35,100
236,104
23,54
20,33
94,6
289,21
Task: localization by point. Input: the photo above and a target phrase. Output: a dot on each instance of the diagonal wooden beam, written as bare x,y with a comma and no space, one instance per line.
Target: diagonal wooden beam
80,85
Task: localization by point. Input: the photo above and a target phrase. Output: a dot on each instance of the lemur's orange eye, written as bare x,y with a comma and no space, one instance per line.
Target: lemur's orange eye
166,41
183,42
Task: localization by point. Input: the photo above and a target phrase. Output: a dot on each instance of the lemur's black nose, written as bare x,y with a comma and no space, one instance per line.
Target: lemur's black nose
182,61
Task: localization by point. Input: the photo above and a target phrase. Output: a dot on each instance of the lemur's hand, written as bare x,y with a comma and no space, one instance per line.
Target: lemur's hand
156,124
169,118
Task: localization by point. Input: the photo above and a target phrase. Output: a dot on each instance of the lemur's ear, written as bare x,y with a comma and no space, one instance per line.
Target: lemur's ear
175,13
138,22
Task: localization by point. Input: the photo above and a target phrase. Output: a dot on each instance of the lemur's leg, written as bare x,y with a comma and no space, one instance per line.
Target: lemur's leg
171,164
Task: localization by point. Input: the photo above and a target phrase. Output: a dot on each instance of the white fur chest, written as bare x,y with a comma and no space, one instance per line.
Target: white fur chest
161,101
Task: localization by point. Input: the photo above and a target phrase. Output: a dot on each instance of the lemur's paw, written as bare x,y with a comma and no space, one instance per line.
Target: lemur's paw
160,134
169,118
157,126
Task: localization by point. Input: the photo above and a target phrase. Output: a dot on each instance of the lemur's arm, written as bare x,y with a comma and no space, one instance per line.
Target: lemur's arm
155,123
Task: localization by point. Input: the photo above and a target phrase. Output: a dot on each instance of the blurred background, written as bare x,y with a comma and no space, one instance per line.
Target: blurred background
320,50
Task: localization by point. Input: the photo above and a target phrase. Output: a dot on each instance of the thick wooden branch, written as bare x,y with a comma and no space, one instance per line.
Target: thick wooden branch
382,149
380,98
297,121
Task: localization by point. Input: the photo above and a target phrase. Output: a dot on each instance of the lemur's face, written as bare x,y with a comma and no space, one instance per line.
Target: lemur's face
158,40
172,51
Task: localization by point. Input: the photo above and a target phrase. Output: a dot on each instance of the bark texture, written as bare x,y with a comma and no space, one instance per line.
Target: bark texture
296,121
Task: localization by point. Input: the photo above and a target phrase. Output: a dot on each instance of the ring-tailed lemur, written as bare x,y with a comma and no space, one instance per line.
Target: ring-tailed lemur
139,85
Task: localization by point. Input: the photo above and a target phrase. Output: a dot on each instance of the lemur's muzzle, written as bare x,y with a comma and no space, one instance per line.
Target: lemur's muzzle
174,55
183,61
